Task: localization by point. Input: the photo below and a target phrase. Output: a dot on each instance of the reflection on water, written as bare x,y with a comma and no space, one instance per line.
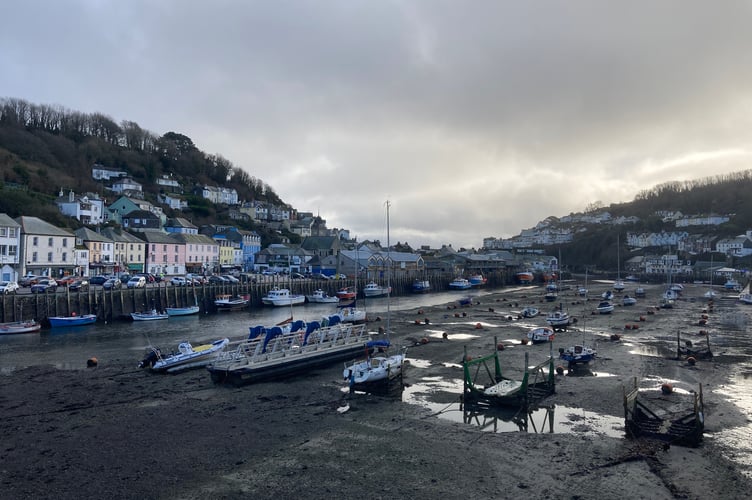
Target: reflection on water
735,440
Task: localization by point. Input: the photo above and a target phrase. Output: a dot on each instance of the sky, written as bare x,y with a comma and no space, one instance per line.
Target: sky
474,119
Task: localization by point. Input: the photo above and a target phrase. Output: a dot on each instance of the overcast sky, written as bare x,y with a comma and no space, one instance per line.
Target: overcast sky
475,119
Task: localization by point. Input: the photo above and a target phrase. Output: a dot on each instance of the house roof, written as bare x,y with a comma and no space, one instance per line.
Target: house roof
7,221
87,234
35,225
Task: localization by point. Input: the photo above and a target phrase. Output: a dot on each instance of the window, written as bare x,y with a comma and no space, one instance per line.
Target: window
35,241
176,259
3,231
49,256
12,232
50,242
12,250
34,257
65,256
3,250
164,258
164,248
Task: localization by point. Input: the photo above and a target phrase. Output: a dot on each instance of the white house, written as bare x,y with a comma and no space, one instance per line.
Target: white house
100,173
89,208
125,185
10,240
45,249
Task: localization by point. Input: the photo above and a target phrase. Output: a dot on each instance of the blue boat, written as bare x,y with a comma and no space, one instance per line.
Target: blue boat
181,311
72,320
421,286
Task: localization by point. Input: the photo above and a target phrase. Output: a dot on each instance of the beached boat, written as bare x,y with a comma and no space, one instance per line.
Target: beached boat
280,354
181,311
551,296
347,293
373,289
677,417
577,355
530,312
524,277
380,368
231,302
477,280
607,295
186,357
558,319
13,327
321,297
148,315
732,284
639,292
459,284
349,313
421,286
72,320
605,307
628,301
541,335
282,297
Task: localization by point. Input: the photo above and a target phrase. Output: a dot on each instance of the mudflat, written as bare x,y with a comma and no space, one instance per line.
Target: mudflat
113,431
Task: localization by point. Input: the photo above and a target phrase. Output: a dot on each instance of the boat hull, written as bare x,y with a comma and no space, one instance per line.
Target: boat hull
191,357
181,311
65,321
17,327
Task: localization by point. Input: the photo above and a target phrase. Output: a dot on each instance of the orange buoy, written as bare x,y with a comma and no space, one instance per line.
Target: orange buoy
424,340
667,388
478,326
445,335
627,327
691,361
642,318
417,321
73,313
560,370
426,320
499,346
523,341
92,362
635,327
456,315
468,358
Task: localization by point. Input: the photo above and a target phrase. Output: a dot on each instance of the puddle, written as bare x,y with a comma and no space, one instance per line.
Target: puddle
734,441
643,350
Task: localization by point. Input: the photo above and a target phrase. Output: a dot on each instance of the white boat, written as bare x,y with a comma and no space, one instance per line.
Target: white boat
628,301
524,277
280,354
421,286
530,312
607,295
349,313
181,311
639,292
13,327
710,294
282,297
577,355
558,319
541,335
460,284
148,315
732,284
477,280
321,297
745,298
231,302
187,356
619,285
373,289
582,291
605,307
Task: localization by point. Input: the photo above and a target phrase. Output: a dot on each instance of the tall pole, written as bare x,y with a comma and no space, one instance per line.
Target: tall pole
388,272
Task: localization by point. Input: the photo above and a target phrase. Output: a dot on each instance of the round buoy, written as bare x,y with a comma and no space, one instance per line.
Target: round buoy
642,318
464,314
424,340
468,358
456,315
445,335
478,326
702,322
635,327
704,316
499,346
523,341
627,327
426,320
92,362
691,361
615,336
490,309
667,388
381,330
420,311
73,314
560,370
417,321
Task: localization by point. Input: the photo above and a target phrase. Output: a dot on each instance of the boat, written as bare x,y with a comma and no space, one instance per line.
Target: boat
577,355
72,320
319,296
530,312
677,417
282,297
541,335
349,313
711,294
605,307
148,315
24,326
732,284
745,297
628,301
421,286
373,289
558,319
231,302
477,280
551,296
181,311
278,354
347,293
375,372
186,357
524,277
639,292
607,295
459,284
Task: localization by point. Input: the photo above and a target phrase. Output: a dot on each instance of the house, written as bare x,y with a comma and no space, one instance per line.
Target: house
172,201
10,241
201,252
128,251
169,183
278,257
45,249
180,225
101,254
88,208
125,205
219,195
165,254
101,173
127,186
141,220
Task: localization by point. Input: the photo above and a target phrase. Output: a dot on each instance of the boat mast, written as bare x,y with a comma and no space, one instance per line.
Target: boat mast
389,271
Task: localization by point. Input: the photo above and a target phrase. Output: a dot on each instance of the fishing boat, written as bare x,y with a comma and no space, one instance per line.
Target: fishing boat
282,297
459,284
231,302
72,320
605,307
186,357
541,335
477,280
375,372
321,297
148,315
530,312
181,311
421,286
373,289
347,293
577,355
25,326
558,319
524,277
278,354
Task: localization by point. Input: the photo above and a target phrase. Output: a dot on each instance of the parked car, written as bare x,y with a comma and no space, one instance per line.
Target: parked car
66,280
320,276
97,280
112,284
196,278
79,285
268,272
217,280
29,280
230,279
340,276
44,285
124,278
137,282
297,276
7,287
181,281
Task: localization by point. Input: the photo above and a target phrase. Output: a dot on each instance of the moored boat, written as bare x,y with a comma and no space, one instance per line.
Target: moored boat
186,357
460,284
319,296
148,315
72,320
628,301
577,355
541,335
373,289
374,369
181,311
524,277
282,297
25,326
605,307
421,286
347,293
530,312
231,302
558,319
477,280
